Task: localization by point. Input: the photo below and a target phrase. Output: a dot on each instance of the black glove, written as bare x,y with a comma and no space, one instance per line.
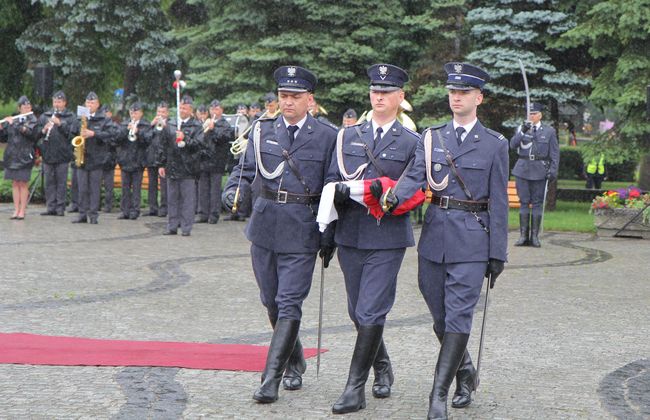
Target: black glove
494,268
376,189
550,177
228,199
391,200
527,125
341,195
327,244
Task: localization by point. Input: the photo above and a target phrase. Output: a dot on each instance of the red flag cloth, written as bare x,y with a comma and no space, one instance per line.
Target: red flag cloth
374,206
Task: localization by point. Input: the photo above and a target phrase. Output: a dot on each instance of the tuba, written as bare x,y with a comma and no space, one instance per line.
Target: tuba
79,144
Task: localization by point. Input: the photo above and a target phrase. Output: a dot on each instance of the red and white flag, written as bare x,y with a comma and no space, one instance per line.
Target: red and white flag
360,192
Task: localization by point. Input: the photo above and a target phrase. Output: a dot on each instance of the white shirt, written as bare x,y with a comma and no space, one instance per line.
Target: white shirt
299,124
384,128
185,120
467,127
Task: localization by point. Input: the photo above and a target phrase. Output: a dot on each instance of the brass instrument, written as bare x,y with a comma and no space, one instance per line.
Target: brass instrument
79,144
404,119
51,126
160,123
240,143
132,133
206,124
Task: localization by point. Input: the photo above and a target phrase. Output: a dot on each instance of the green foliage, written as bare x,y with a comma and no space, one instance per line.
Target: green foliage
568,216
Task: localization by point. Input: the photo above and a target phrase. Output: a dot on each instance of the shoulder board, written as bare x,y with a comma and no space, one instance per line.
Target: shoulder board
408,130
495,134
265,119
437,126
327,124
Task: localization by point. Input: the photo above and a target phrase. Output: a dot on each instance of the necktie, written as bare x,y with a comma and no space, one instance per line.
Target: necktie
534,129
459,134
378,135
292,133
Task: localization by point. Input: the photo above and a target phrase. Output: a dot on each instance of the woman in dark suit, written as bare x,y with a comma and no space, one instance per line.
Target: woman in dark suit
19,134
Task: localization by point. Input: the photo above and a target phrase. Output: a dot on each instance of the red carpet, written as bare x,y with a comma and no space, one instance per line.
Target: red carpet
33,349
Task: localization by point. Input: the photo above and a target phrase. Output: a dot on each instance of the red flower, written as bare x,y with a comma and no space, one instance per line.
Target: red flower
634,193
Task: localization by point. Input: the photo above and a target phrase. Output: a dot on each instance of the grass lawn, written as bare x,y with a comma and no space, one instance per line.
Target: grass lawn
568,216
579,184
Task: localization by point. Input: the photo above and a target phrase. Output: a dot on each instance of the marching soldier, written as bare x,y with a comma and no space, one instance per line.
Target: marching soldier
538,162
108,172
132,142
98,136
158,124
370,253
216,137
465,228
292,154
20,135
179,164
56,128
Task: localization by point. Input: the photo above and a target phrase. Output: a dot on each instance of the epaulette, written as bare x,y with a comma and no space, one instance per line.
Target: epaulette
495,134
437,126
327,124
408,130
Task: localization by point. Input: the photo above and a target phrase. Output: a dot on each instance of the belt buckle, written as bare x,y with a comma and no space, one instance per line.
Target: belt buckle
444,202
282,197
532,157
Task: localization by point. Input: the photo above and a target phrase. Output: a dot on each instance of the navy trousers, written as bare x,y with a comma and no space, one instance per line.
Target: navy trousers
530,192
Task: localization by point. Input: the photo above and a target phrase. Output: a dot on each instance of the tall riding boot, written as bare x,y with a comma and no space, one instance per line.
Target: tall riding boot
292,379
524,230
534,231
282,344
451,353
365,350
465,380
383,373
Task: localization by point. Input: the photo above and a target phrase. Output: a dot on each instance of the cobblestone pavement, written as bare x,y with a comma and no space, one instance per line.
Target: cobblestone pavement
567,333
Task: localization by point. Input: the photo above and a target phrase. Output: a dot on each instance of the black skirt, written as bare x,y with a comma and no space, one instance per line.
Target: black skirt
18,174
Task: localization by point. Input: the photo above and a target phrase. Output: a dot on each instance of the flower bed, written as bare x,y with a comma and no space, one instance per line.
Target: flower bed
615,208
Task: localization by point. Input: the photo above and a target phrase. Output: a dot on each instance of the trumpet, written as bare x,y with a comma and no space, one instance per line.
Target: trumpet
79,144
240,143
160,123
206,124
133,136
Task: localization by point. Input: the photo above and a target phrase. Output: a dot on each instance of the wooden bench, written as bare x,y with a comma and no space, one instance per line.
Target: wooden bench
513,198
118,178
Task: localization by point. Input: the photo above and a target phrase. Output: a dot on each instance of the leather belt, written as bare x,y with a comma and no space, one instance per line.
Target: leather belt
444,202
532,157
285,197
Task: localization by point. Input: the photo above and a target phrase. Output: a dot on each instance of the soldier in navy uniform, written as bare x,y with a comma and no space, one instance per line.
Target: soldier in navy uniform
538,162
291,155
158,124
371,253
98,137
349,118
108,173
55,130
464,236
270,104
132,141
180,165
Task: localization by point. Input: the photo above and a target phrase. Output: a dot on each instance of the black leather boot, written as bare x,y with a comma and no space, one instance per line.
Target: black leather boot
534,231
451,353
365,350
292,379
524,230
282,344
465,380
383,373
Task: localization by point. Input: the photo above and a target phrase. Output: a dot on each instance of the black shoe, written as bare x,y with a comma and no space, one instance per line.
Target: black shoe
292,379
133,216
169,232
60,213
282,344
122,216
524,230
83,219
162,214
451,353
383,373
151,213
201,219
365,350
49,213
185,234
72,209
93,221
534,231
213,220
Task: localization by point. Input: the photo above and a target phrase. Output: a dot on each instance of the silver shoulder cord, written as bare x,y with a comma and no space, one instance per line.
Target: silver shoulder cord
428,157
258,157
339,158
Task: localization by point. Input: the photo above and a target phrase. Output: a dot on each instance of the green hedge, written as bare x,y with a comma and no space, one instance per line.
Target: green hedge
571,166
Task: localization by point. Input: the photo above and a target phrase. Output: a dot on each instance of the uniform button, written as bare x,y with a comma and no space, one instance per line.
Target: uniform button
447,212
453,180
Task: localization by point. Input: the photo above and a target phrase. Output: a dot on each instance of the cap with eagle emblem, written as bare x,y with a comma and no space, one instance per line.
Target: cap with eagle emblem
386,77
463,76
295,79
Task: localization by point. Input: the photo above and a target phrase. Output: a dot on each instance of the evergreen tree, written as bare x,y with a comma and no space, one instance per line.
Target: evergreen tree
98,45
505,31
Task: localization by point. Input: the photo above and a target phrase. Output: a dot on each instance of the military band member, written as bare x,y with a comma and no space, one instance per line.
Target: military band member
180,165
465,228
55,129
370,253
216,144
132,141
242,110
158,124
538,162
319,113
108,172
98,136
292,154
270,104
254,111
20,135
349,118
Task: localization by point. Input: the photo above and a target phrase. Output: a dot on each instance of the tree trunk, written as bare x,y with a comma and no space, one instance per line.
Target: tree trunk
551,196
644,173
